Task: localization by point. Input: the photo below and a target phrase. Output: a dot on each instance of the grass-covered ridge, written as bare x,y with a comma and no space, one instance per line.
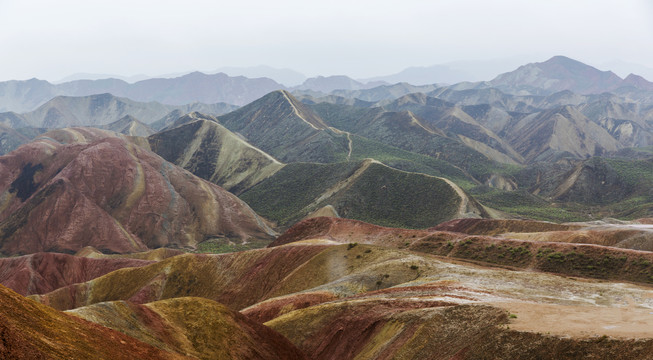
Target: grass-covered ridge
367,191
363,148
282,197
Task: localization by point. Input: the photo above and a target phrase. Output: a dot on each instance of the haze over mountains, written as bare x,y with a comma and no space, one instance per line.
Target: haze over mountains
215,216
540,112
21,96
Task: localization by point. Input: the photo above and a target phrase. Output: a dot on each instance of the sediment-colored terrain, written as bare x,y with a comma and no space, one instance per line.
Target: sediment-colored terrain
29,330
112,195
392,293
405,210
196,327
357,300
44,272
210,151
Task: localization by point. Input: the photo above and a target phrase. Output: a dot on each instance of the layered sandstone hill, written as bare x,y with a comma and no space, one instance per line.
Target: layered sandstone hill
196,327
635,235
44,272
108,193
346,301
29,330
587,250
184,328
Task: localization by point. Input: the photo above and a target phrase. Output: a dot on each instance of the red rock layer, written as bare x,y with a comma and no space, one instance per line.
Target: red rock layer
347,230
237,280
44,272
268,310
193,326
29,330
578,259
495,227
114,196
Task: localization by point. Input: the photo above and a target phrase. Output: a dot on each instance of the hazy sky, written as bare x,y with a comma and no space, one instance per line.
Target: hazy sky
52,39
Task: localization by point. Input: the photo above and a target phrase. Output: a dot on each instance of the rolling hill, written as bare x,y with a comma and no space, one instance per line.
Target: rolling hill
352,299
44,272
130,126
562,131
196,87
34,331
557,74
52,199
210,151
285,128
453,121
408,216
10,139
195,327
404,130
367,190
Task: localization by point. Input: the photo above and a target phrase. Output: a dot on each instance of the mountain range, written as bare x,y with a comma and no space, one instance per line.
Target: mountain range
339,219
556,74
439,132
100,109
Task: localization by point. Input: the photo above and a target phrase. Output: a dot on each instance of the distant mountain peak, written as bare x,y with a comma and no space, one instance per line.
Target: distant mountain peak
561,59
327,84
564,64
638,82
557,74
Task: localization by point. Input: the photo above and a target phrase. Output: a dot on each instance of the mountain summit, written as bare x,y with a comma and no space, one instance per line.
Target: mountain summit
283,127
557,74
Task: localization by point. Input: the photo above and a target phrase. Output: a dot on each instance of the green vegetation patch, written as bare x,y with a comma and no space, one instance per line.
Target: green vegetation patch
583,261
522,203
388,197
363,148
282,196
602,266
635,173
379,195
221,246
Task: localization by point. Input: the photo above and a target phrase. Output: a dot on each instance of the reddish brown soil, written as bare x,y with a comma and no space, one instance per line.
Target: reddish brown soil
29,330
344,329
268,310
617,237
584,260
237,280
626,322
408,328
44,272
494,227
346,230
112,195
193,326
